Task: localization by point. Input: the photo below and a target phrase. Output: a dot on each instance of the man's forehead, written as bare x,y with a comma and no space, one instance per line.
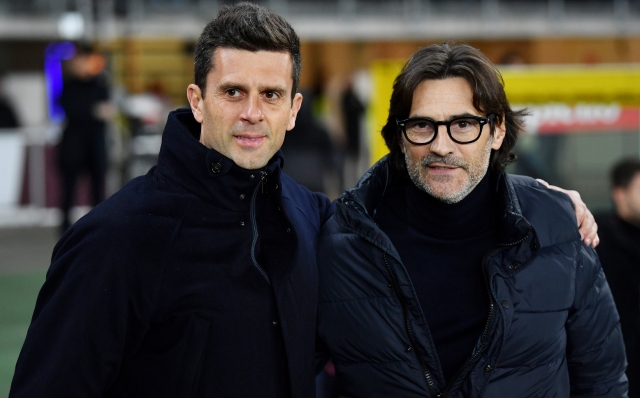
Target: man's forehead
238,61
222,51
232,63
443,95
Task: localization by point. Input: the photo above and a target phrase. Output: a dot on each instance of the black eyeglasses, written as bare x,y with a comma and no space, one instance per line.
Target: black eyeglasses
462,130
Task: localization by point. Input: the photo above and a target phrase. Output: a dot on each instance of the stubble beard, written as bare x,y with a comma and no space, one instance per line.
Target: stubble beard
256,158
475,173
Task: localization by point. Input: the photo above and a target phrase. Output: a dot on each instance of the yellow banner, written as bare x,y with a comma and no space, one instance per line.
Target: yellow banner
571,85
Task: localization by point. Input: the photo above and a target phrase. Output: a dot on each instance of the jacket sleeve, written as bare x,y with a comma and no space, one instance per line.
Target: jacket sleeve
91,311
325,207
595,349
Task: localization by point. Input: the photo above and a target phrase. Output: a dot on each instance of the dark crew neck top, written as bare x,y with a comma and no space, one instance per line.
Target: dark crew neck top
442,247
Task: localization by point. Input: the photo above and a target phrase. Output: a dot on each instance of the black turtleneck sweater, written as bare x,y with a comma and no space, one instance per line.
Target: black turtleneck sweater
442,247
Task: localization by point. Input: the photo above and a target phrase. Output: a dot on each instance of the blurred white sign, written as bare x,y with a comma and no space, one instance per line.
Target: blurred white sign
12,154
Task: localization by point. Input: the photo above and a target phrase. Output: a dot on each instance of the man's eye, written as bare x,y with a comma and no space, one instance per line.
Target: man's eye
271,95
419,126
232,92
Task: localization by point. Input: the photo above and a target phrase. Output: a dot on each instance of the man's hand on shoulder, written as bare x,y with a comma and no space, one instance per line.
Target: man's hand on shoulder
586,223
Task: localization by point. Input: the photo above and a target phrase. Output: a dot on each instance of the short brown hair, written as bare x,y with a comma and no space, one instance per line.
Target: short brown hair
250,27
444,61
624,171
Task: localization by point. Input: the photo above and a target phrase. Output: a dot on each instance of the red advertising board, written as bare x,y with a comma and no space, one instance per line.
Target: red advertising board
582,118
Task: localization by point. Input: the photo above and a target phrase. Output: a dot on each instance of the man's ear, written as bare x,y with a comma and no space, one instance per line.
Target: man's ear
194,95
498,135
295,107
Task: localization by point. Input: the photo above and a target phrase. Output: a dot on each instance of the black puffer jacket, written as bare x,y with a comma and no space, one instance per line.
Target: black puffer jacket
552,329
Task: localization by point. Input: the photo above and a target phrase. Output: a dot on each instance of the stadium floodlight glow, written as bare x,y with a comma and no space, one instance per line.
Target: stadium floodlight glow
71,25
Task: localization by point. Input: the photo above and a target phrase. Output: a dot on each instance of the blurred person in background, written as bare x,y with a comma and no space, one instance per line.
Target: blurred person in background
83,148
619,253
308,149
443,276
8,119
353,111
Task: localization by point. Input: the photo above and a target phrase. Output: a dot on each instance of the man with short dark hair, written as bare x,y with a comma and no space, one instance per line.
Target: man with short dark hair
198,279
619,253
443,276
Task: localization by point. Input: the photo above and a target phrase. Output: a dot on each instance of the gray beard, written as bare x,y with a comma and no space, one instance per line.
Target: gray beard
475,176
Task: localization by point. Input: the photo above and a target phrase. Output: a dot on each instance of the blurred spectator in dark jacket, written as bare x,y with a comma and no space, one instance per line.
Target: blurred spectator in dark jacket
8,117
85,100
308,149
352,112
619,252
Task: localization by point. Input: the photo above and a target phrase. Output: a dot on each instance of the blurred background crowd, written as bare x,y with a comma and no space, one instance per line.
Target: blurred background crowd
119,66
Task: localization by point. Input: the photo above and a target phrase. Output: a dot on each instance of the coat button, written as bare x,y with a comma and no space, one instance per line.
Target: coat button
511,266
277,186
241,196
216,168
242,223
408,349
288,230
252,176
488,368
505,304
275,323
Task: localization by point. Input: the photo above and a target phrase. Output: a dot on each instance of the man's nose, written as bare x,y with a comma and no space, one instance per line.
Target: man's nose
252,111
442,144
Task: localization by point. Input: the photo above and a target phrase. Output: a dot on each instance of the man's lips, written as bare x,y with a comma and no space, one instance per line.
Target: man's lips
441,168
249,140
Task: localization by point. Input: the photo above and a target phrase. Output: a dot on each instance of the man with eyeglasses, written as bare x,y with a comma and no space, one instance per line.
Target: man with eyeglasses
443,276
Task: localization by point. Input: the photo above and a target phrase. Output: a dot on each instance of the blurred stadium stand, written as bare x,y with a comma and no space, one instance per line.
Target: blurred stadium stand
368,19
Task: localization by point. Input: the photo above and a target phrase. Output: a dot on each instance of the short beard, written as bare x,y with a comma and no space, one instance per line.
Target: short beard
475,176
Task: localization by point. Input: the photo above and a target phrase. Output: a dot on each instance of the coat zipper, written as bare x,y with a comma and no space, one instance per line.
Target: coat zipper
485,332
425,372
263,182
254,225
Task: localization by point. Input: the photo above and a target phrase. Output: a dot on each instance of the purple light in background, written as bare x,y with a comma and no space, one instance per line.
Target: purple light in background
54,54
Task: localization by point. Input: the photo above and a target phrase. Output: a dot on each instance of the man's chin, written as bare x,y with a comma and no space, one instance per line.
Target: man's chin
449,198
445,194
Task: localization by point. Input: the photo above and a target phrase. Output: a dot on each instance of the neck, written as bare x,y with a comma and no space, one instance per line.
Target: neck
475,213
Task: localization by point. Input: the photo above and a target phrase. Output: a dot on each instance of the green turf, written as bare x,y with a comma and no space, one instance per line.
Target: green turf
18,294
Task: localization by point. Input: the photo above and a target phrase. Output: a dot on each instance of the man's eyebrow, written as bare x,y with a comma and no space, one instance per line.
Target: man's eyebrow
230,86
277,89
457,115
237,86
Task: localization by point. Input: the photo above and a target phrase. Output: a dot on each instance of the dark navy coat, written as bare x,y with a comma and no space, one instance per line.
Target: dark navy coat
196,280
552,329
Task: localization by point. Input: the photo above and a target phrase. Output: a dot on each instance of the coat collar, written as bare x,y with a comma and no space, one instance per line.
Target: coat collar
205,172
356,208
